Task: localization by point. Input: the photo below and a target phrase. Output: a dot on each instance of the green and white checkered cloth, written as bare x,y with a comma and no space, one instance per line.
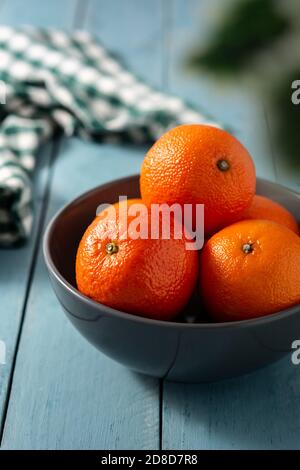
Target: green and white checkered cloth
53,80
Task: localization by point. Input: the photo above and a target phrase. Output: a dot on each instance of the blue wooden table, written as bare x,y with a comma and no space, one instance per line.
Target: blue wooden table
57,391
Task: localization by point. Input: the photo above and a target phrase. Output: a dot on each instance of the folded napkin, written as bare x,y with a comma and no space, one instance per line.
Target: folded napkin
52,80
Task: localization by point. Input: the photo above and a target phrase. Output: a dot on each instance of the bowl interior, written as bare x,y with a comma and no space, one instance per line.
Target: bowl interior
288,198
70,225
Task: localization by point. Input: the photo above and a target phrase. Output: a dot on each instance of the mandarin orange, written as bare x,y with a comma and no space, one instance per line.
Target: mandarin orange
264,208
200,164
250,269
148,277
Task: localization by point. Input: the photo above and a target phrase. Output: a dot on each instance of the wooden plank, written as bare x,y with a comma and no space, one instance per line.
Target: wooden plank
14,278
133,30
82,399
260,410
55,13
65,393
15,264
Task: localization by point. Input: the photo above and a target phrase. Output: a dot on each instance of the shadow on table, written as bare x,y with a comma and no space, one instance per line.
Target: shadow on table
257,411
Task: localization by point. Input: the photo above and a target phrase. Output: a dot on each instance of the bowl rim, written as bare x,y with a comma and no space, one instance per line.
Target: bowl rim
252,322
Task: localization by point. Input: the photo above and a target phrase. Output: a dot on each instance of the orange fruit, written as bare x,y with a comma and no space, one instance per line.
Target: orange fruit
148,277
264,208
200,164
250,269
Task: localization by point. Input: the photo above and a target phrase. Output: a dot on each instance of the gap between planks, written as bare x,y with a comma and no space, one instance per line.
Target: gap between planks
167,26
81,9
54,152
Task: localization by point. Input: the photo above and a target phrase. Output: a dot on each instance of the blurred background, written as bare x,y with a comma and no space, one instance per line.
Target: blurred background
235,60
256,42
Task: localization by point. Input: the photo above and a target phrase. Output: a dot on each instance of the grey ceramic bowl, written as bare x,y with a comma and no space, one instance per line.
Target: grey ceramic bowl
177,351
